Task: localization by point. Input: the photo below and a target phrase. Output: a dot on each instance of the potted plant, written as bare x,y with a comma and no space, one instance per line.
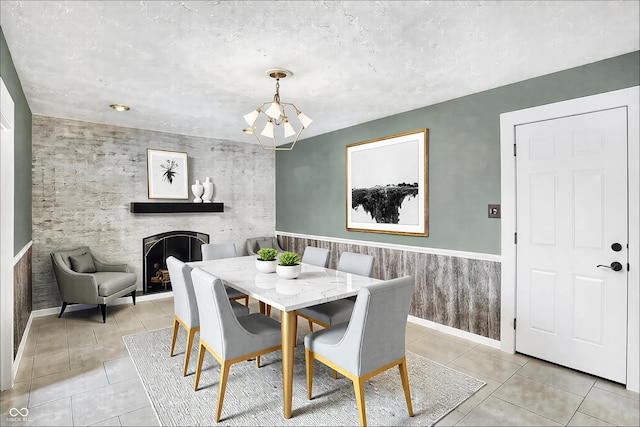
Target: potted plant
289,265
266,261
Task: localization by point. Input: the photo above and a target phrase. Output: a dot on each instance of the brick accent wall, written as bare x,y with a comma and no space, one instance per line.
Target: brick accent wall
86,174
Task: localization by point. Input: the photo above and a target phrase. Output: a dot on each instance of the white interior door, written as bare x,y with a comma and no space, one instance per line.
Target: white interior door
571,203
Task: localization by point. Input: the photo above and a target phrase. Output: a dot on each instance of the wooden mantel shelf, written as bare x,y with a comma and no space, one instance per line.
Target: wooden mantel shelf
175,207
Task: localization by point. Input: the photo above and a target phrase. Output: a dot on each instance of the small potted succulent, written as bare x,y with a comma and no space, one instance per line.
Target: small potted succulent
289,265
266,261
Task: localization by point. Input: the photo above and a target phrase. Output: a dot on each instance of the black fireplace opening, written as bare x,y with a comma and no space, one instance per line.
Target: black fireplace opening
184,245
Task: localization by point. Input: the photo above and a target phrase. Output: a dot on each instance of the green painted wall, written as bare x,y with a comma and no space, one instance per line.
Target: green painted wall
464,160
22,149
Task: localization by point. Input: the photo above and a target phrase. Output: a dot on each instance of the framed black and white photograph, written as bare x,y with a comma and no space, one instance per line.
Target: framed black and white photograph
387,184
167,174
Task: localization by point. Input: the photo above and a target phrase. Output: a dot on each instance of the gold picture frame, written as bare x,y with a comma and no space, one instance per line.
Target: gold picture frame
387,184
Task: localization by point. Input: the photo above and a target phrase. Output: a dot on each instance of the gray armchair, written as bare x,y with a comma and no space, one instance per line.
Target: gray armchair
372,341
255,243
84,279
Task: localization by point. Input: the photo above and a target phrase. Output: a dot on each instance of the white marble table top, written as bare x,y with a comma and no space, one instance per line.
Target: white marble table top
314,285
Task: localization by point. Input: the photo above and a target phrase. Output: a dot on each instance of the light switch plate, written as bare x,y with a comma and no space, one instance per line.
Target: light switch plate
494,211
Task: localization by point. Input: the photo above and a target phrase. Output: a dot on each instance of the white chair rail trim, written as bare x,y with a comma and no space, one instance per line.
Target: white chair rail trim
419,249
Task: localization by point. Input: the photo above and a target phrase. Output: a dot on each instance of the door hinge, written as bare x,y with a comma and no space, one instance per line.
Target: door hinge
514,323
628,266
515,238
514,150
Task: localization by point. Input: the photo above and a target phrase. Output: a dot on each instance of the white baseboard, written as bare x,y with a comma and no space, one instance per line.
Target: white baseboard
456,332
419,249
23,343
119,301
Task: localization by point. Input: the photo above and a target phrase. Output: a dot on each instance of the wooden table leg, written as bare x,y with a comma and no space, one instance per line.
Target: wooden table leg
287,319
262,306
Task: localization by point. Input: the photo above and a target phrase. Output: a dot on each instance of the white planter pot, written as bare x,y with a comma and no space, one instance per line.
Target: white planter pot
266,266
288,271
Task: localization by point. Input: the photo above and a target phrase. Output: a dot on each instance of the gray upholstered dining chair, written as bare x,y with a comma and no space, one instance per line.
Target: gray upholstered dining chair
334,312
211,251
371,342
316,256
83,278
228,338
185,306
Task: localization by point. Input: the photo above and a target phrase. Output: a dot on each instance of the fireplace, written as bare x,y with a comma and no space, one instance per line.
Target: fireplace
184,245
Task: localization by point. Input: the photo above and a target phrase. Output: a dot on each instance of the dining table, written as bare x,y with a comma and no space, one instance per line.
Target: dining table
314,285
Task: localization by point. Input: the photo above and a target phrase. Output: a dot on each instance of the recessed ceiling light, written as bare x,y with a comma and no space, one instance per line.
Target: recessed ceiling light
119,107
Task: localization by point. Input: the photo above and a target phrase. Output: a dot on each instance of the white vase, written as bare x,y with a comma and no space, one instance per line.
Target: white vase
197,190
288,271
266,266
208,191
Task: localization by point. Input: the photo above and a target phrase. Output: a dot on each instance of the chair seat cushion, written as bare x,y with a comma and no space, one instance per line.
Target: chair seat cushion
330,313
238,309
324,339
110,282
233,293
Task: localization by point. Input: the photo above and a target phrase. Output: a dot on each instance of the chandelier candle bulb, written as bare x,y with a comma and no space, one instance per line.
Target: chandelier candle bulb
268,130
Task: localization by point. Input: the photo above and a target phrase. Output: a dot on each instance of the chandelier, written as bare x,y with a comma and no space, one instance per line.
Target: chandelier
277,127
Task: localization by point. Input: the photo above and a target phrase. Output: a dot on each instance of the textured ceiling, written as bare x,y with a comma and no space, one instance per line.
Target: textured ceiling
195,68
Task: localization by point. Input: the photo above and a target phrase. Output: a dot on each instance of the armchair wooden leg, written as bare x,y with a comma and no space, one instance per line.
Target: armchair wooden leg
404,375
310,326
133,295
308,360
268,310
358,387
257,361
64,305
103,308
174,335
201,351
187,354
224,374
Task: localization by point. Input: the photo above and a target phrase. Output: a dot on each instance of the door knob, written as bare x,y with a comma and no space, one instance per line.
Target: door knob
615,266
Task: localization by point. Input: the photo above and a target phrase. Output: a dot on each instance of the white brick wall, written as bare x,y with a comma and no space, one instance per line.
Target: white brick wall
86,174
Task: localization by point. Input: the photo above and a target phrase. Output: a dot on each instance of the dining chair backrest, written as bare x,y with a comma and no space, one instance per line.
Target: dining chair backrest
219,326
375,336
185,305
354,263
316,256
211,251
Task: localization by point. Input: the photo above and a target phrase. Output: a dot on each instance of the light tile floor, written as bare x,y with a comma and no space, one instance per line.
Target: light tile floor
77,371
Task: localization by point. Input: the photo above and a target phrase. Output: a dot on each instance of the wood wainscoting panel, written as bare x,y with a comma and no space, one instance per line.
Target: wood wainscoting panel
458,292
22,281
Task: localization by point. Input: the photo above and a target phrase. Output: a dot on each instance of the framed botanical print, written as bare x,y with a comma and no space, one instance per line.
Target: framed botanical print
167,174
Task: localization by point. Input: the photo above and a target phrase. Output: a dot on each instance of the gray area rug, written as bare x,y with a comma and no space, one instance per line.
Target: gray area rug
254,396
